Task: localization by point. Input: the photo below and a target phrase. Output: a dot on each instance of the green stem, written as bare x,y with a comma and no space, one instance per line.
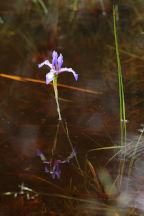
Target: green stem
121,96
121,91
43,6
67,133
75,5
56,95
134,155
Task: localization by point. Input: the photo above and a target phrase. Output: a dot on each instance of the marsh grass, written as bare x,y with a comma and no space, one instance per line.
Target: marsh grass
122,110
121,89
75,4
93,198
121,97
41,2
134,154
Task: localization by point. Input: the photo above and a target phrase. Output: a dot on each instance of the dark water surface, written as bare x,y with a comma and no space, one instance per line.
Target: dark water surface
29,32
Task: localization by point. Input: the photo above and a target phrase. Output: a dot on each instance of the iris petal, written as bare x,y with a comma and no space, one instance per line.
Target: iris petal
46,62
56,67
49,77
40,154
54,60
69,70
53,176
46,169
58,171
60,61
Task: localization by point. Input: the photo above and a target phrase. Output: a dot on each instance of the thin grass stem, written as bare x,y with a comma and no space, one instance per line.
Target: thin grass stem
56,95
75,5
134,154
121,96
67,133
43,6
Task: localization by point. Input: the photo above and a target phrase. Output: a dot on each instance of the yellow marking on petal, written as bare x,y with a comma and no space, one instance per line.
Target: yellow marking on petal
22,79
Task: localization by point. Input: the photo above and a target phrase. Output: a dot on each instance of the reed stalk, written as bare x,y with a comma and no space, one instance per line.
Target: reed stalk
121,95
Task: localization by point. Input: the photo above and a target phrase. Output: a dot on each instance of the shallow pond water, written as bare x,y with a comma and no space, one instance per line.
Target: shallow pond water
29,32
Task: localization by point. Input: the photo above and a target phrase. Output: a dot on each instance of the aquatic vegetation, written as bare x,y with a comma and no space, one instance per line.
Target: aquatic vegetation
24,191
55,70
75,5
121,90
53,163
41,2
90,189
56,67
1,20
123,120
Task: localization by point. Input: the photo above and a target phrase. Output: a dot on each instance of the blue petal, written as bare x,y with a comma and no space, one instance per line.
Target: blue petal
40,154
46,62
58,172
46,169
60,61
73,154
53,176
69,70
76,76
49,77
54,60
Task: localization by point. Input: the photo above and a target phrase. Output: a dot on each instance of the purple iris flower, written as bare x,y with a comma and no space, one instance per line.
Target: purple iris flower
54,168
55,67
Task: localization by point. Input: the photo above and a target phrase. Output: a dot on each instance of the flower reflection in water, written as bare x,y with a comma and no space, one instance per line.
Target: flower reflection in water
53,164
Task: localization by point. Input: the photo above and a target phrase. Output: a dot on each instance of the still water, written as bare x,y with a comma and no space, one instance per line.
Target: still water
29,32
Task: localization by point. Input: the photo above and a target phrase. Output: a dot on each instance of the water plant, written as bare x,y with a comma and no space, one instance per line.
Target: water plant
98,192
121,97
75,5
121,90
41,2
55,70
53,163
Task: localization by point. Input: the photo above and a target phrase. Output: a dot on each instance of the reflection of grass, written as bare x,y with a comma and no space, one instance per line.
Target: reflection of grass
80,203
134,155
92,187
69,140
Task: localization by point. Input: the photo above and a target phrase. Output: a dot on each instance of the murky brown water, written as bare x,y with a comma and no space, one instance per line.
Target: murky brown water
28,115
